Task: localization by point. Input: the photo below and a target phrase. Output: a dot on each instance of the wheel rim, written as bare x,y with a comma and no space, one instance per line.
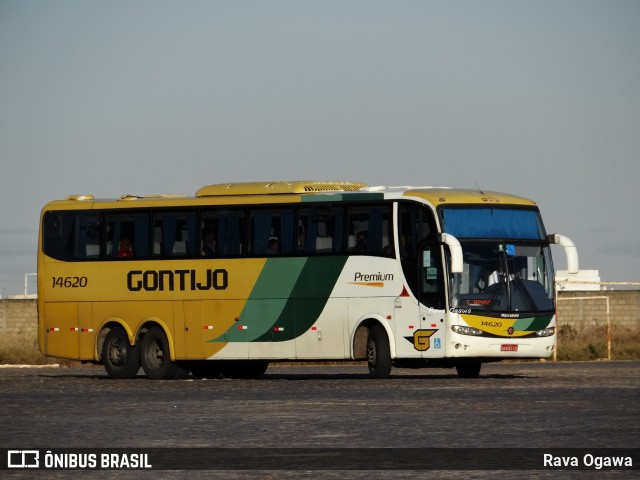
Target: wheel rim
154,355
117,353
371,352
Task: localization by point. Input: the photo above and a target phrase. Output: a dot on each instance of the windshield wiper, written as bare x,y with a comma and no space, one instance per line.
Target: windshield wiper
523,288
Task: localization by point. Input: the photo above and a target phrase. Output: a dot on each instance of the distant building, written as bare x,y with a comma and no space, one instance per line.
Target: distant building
584,280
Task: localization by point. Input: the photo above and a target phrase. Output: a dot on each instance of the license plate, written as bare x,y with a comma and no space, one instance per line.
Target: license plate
509,348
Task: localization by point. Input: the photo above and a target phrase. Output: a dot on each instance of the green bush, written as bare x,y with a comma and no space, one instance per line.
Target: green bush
591,343
21,350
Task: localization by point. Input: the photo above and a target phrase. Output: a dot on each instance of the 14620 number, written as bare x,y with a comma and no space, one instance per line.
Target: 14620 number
69,282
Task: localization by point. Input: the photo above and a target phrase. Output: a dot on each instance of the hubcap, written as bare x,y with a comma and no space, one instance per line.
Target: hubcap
371,352
117,353
155,355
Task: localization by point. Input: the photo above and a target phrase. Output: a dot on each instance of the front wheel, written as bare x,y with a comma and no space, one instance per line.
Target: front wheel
155,358
378,352
119,358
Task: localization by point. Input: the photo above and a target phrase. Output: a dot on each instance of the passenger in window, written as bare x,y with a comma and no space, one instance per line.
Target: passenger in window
125,250
209,246
273,247
361,243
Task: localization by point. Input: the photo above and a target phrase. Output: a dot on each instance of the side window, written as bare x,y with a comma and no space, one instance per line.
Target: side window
271,231
416,227
222,233
369,229
88,243
71,235
127,235
320,230
174,234
432,277
58,234
416,224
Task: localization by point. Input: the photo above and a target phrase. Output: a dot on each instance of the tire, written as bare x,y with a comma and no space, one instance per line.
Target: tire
204,368
155,358
469,368
378,352
119,358
246,369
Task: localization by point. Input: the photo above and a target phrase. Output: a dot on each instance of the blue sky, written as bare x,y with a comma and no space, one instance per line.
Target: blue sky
537,98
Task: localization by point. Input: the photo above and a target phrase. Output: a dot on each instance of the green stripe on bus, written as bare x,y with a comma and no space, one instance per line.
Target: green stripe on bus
531,324
308,298
266,301
287,299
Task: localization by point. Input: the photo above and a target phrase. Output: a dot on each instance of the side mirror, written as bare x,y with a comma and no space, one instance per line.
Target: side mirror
569,248
455,249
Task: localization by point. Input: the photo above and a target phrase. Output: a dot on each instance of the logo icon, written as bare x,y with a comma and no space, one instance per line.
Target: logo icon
23,459
421,340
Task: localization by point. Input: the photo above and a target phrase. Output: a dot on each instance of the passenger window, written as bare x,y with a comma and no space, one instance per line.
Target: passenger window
72,235
174,234
88,240
59,234
127,235
222,233
370,230
320,230
271,231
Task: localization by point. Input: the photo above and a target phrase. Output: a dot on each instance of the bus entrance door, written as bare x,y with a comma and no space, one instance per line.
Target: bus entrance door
429,338
407,326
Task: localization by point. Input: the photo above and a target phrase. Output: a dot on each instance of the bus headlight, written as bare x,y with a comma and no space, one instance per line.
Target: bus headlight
466,330
546,332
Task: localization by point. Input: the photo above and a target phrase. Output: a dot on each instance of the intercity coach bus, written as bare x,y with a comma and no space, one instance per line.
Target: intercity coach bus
223,282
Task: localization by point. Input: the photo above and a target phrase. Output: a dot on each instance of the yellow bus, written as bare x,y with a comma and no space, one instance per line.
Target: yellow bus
238,275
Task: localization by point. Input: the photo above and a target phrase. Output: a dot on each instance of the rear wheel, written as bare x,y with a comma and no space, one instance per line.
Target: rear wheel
119,358
378,352
468,368
155,358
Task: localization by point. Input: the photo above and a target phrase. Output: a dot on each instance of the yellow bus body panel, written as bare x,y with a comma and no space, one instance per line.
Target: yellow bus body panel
72,316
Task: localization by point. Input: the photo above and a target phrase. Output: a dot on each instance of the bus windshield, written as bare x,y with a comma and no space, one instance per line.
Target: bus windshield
504,277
